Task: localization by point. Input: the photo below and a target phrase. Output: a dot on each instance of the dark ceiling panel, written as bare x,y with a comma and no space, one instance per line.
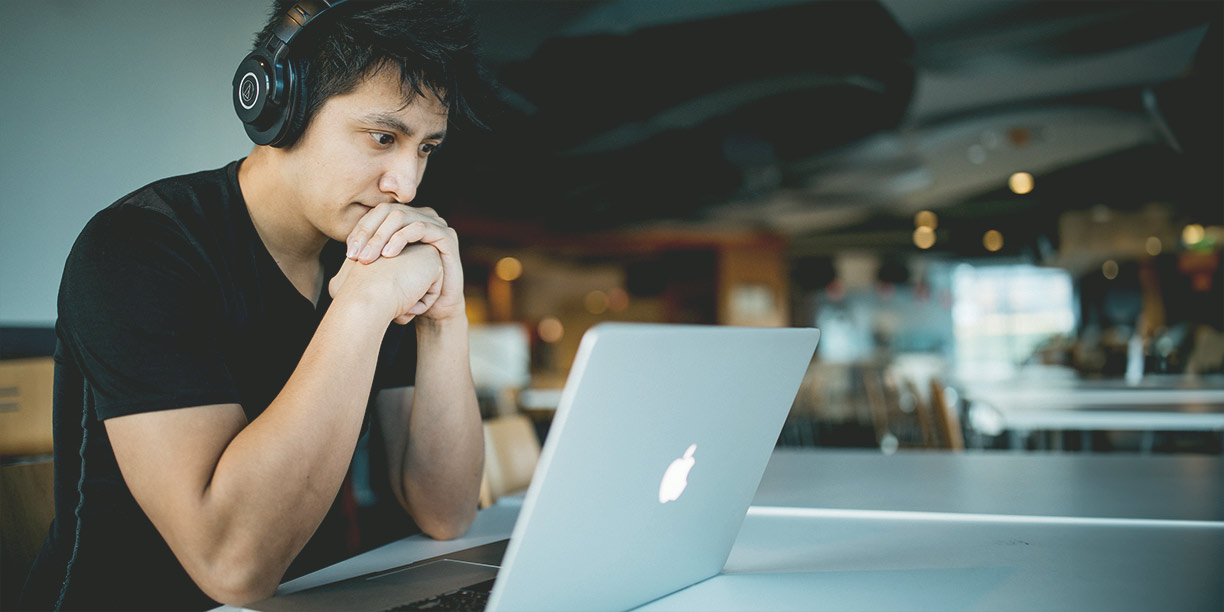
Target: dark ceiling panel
608,129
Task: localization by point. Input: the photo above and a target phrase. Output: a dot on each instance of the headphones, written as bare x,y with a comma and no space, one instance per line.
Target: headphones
267,88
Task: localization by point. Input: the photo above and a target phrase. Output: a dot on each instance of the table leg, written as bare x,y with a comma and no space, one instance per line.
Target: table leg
1017,439
1147,442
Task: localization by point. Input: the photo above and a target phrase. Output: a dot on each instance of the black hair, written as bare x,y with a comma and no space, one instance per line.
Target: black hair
431,43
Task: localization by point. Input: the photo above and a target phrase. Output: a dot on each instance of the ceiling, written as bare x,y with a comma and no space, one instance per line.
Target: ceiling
819,119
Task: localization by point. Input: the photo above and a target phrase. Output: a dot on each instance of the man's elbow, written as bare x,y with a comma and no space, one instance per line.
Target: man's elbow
236,585
447,527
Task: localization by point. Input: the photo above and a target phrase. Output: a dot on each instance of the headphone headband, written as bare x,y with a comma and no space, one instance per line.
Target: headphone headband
299,16
266,87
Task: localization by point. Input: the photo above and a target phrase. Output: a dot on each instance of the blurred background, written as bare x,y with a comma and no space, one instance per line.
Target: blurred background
974,201
1006,216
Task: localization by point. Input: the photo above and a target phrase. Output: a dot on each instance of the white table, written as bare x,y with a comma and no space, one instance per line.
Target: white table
792,561
1157,403
783,562
1097,486
923,539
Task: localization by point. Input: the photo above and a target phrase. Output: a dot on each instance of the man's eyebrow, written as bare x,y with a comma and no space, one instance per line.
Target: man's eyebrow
394,123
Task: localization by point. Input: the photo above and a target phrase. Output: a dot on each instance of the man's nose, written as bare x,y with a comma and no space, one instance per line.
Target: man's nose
400,180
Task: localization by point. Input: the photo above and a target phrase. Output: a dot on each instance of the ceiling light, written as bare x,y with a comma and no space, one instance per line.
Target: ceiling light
508,268
1110,269
992,240
618,299
926,218
924,237
1021,182
1153,246
551,330
1193,234
596,302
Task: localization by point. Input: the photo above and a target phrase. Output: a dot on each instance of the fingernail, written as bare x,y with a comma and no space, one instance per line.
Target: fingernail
352,251
386,252
367,253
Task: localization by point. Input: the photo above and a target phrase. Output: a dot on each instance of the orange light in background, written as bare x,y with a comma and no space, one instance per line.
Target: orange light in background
618,299
596,302
1193,234
1110,269
551,330
1019,136
992,240
926,218
924,237
1153,246
1020,183
508,268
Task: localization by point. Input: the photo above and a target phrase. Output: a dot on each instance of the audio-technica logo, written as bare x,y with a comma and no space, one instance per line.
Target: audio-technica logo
248,90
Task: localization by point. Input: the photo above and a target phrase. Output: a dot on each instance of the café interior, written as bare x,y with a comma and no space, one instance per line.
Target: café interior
969,200
1006,218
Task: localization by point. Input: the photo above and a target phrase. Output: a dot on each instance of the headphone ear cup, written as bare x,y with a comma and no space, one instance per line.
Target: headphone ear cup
261,97
253,87
295,111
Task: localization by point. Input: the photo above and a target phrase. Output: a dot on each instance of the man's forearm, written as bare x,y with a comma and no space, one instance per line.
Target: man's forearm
444,458
277,478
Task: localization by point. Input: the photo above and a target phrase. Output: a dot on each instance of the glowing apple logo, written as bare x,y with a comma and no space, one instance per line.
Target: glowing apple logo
675,479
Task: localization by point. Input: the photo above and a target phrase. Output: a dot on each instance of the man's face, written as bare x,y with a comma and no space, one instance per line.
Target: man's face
362,149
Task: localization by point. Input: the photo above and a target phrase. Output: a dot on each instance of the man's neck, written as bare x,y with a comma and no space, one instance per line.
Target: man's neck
293,242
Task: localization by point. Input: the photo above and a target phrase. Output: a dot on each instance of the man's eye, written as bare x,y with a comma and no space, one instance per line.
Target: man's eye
428,148
383,139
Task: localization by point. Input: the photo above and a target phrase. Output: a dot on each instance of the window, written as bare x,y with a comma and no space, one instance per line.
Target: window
1001,313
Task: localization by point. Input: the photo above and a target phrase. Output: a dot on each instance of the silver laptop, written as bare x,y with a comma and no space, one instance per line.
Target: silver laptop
655,452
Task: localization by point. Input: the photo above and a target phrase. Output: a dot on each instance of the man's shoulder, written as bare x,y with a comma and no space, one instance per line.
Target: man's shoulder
188,218
188,205
183,195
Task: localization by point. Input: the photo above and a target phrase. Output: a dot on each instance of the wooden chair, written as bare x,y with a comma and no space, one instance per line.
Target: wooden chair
922,411
947,419
25,406
27,492
512,450
895,426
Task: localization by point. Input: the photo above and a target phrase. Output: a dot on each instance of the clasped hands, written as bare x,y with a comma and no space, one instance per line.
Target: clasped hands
427,281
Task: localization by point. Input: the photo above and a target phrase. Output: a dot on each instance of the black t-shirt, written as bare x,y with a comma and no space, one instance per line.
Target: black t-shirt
169,300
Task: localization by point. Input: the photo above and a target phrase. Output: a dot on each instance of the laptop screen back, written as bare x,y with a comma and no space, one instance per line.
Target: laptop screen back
655,452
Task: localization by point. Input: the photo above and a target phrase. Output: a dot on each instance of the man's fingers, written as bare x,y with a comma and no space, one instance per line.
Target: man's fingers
365,228
413,232
376,231
427,301
445,239
417,231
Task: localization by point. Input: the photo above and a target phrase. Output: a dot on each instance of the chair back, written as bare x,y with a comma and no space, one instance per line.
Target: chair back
512,450
25,406
27,492
947,419
923,412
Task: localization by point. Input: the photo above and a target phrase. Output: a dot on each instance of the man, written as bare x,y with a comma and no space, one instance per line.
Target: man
226,337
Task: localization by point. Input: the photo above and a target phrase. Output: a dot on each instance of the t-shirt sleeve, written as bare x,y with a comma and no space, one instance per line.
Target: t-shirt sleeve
140,310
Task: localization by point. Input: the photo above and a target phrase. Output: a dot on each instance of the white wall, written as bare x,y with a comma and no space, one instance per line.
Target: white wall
97,98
